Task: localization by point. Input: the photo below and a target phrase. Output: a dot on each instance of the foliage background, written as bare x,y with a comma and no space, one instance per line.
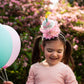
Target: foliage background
25,17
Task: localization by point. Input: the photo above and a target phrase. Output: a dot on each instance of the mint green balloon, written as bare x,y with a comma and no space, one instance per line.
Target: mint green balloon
5,46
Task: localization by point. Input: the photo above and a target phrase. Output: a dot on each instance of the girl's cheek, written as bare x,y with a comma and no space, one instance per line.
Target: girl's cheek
61,55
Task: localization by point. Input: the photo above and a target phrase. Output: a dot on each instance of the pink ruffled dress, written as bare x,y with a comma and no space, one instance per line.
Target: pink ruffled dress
57,74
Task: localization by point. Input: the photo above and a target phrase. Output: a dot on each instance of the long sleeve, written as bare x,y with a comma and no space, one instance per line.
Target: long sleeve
30,79
70,77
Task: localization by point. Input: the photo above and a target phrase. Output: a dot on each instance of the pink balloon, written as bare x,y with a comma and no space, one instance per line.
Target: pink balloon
16,45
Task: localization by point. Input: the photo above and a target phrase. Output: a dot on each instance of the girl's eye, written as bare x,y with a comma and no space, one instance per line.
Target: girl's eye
59,51
49,50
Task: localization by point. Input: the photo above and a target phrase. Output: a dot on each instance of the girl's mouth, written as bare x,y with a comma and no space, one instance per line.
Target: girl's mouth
53,58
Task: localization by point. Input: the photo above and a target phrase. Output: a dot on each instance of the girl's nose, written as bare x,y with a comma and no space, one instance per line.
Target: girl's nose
55,54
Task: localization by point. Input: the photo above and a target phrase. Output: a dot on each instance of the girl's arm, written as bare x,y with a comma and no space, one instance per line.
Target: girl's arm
30,79
70,76
7,82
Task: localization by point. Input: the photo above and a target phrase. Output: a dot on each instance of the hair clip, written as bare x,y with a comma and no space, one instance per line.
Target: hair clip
50,29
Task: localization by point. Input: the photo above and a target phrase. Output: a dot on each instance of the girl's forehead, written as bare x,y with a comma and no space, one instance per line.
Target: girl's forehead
54,43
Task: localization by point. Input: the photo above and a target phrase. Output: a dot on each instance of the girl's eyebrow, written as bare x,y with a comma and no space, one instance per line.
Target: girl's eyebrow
50,49
60,49
54,49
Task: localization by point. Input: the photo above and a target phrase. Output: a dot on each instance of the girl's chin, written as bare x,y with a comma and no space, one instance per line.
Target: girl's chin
53,63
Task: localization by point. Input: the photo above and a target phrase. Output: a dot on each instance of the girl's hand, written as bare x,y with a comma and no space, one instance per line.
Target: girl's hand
7,82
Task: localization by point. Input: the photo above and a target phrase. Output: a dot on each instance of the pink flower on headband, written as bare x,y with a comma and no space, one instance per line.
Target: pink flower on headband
50,29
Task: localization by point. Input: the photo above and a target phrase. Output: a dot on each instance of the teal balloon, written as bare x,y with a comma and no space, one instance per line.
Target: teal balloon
5,46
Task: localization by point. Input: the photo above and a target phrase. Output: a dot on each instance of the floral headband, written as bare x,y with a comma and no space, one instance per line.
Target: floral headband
50,29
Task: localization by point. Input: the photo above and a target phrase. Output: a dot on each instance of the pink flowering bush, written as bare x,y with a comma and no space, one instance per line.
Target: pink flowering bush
22,14
21,66
71,22
24,17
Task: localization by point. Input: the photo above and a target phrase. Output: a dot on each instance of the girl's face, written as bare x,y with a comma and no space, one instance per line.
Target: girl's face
53,52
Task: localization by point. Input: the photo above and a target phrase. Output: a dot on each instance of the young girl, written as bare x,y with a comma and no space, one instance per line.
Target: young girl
57,51
54,69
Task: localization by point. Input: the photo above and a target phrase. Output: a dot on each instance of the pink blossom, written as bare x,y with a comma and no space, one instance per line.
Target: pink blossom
25,41
68,35
0,16
28,5
23,0
40,10
25,5
11,24
15,27
17,2
71,25
66,15
28,47
28,10
5,3
30,43
52,17
6,13
28,25
2,6
59,16
16,18
25,49
23,8
32,8
35,14
5,17
77,13
29,1
81,11
80,64
75,47
79,29
74,39
31,37
77,41
26,59
29,16
25,64
74,18
10,4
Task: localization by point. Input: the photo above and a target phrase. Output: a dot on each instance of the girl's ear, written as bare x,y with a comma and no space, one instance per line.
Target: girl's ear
42,48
